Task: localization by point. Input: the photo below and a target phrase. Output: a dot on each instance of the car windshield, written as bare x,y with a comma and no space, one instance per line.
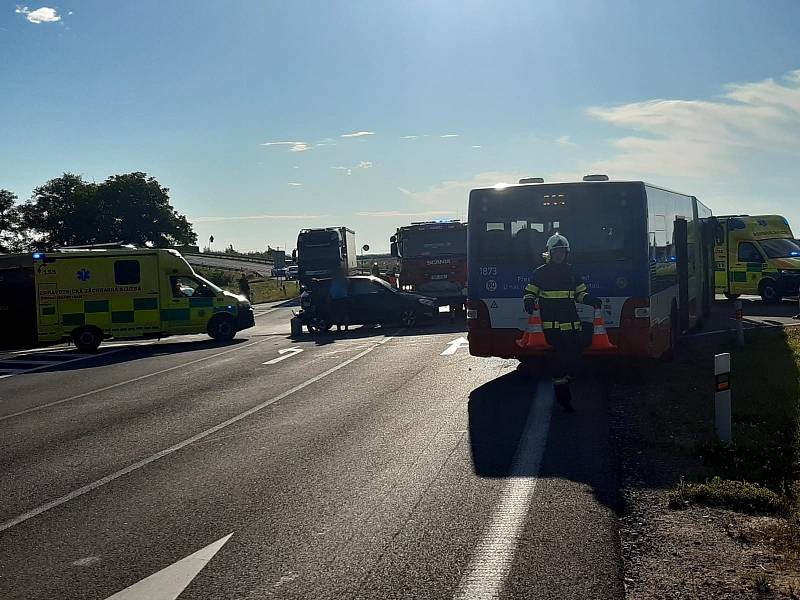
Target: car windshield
780,248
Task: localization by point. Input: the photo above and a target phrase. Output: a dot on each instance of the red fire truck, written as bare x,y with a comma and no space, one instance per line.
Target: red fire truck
433,260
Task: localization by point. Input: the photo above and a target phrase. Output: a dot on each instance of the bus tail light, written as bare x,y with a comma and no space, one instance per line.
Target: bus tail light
635,313
477,315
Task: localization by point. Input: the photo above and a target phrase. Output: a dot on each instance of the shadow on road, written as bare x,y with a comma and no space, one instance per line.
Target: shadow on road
578,444
137,352
436,326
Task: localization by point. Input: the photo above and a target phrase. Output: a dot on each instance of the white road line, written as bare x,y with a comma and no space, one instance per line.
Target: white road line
121,383
195,438
452,347
284,354
61,362
493,556
169,582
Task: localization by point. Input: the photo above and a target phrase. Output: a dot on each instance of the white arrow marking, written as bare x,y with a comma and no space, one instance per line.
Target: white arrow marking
453,346
169,583
284,354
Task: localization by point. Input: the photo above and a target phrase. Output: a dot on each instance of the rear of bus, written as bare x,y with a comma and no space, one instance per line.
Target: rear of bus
606,224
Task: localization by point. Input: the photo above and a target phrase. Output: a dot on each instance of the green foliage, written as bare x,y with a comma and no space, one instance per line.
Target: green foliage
131,208
736,495
12,236
135,208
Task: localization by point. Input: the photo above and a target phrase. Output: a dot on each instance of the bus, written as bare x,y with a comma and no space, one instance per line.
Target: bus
645,251
433,260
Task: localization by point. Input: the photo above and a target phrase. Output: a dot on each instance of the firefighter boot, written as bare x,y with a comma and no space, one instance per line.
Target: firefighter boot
563,395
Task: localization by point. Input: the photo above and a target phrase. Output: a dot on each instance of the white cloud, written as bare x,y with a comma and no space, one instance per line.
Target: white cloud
452,195
476,147
293,146
295,184
405,191
397,213
348,170
565,140
364,164
449,135
408,137
45,14
357,134
699,138
251,217
326,142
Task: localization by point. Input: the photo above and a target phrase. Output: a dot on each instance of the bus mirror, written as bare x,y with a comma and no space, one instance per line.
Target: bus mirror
393,249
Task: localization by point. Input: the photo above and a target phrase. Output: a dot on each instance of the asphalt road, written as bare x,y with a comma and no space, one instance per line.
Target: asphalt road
382,463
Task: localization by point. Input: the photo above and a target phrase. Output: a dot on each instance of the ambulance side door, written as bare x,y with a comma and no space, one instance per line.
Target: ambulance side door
189,304
134,305
745,273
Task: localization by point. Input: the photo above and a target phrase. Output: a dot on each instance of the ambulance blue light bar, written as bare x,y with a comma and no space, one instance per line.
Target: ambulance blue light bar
38,255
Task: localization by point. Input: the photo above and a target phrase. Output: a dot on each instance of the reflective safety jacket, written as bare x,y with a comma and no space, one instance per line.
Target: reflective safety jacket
556,288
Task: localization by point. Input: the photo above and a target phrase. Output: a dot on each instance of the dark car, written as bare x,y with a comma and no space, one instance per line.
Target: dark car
370,300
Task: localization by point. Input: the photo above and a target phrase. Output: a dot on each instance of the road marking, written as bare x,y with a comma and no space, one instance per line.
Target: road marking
195,438
452,347
169,582
47,364
126,382
491,561
284,354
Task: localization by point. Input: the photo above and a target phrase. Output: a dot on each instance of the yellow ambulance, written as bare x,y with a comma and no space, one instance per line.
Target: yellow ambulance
90,295
756,255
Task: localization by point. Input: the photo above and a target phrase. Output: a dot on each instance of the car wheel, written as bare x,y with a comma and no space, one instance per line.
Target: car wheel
769,293
731,296
87,339
318,324
222,328
408,318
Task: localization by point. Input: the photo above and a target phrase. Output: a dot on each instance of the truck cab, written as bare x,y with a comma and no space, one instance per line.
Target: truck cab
756,255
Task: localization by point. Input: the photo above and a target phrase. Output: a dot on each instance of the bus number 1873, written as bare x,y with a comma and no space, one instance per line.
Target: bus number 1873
488,270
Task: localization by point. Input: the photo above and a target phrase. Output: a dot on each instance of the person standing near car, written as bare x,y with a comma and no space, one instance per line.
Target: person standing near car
244,286
338,301
556,289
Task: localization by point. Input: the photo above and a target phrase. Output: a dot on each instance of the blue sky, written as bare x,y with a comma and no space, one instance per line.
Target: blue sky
702,97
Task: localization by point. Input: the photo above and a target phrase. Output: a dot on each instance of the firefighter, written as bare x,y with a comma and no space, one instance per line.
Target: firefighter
556,288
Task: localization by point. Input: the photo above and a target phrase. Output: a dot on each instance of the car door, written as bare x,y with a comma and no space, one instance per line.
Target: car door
364,301
189,307
745,273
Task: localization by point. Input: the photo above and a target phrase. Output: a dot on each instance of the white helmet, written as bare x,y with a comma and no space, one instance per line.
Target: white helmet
557,241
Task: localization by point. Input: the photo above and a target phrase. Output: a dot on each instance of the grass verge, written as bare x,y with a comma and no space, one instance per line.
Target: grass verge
760,470
261,289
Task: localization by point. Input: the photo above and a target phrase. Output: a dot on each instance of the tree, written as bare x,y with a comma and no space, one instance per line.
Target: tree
135,208
131,208
63,212
11,237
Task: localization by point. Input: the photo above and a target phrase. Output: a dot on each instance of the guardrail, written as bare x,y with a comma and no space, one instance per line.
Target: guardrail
232,257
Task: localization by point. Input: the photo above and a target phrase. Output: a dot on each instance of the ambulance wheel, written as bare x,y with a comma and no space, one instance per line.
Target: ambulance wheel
769,292
222,328
87,339
731,296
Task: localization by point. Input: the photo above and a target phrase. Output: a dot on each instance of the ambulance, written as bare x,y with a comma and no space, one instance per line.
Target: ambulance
86,296
755,255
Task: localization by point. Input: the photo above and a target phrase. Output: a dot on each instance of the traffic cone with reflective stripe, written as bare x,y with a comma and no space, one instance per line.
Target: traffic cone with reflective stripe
534,334
600,341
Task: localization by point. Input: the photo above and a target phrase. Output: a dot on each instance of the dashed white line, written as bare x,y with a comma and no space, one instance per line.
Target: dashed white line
493,556
172,449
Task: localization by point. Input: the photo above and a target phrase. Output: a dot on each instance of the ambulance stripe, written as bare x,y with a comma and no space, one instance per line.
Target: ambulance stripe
95,306
145,303
175,314
122,316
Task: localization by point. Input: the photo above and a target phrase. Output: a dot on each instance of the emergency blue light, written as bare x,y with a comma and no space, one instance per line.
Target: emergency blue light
38,255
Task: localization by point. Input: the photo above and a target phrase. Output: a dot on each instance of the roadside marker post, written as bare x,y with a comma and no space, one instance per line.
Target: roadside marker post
739,324
797,316
722,397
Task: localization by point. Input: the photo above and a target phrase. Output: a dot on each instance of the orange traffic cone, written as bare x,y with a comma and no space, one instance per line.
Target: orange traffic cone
534,334
600,341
